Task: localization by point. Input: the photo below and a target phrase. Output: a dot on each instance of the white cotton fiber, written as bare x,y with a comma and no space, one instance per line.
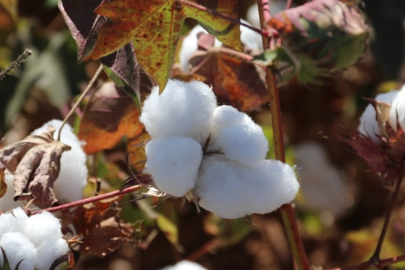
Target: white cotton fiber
73,174
36,239
253,12
49,252
43,227
322,184
233,190
7,202
368,123
236,135
17,247
397,114
173,163
183,109
185,265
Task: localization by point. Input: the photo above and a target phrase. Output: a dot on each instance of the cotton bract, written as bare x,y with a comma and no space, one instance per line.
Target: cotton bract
368,123
173,163
36,241
73,173
232,190
183,109
236,135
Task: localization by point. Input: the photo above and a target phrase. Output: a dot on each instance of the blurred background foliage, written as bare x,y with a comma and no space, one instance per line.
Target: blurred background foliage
340,218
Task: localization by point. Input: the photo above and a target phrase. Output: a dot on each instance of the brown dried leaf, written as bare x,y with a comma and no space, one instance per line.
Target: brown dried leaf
102,230
235,80
35,162
382,110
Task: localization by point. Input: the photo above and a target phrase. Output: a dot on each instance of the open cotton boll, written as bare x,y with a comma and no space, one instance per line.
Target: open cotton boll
17,247
183,109
173,163
73,173
43,227
49,252
236,135
7,201
368,123
397,113
233,190
322,184
185,265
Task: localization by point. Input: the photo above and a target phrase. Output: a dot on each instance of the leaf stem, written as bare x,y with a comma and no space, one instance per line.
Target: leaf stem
218,14
88,88
374,260
89,200
287,210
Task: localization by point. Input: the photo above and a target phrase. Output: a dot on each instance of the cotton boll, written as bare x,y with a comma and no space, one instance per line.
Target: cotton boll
368,123
73,174
183,109
233,190
17,247
185,265
7,201
173,163
49,252
322,185
397,113
43,227
236,135
250,38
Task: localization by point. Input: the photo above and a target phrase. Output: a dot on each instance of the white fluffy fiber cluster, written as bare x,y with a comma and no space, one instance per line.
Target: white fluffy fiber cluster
73,173
368,124
36,240
233,179
189,45
322,184
185,265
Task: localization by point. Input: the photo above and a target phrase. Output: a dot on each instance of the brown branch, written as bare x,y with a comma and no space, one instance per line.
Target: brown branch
89,200
16,63
287,211
88,88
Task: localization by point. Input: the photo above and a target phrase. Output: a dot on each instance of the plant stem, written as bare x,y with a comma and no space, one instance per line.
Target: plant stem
88,88
16,63
379,265
287,210
89,200
376,256
289,4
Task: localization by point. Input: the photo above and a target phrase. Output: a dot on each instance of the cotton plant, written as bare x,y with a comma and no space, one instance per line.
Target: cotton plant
33,242
189,46
72,177
213,155
185,265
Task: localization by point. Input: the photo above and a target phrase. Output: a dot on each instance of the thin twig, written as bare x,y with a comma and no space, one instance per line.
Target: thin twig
16,63
88,88
287,211
217,14
89,200
289,4
381,264
376,256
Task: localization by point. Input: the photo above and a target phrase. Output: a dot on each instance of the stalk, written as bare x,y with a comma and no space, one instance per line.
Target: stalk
287,211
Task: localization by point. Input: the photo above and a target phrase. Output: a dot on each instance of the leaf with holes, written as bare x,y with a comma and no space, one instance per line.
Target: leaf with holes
110,115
